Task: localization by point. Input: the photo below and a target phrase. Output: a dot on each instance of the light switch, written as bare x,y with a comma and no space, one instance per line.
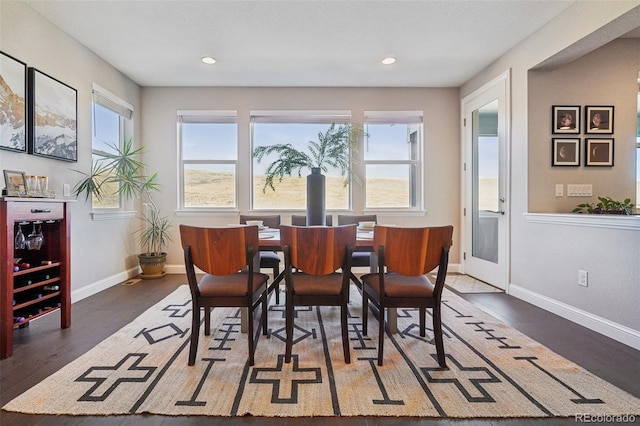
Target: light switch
559,190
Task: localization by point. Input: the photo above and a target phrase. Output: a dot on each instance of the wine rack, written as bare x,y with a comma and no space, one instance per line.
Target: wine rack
35,278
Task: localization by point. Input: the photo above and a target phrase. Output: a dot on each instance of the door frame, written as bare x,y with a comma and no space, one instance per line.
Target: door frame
503,80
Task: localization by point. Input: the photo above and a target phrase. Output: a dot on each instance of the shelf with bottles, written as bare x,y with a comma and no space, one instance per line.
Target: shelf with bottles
27,312
36,236
34,297
35,279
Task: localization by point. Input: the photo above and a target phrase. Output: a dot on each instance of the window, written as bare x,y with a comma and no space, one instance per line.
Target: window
208,159
296,128
112,125
393,160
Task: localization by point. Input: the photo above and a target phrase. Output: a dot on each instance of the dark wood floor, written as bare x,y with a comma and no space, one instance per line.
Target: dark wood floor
43,348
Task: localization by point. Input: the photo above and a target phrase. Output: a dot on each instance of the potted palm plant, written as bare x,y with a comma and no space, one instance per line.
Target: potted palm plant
122,173
333,149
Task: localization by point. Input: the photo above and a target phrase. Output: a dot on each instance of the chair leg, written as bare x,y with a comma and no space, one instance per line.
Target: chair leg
195,330
345,334
381,334
207,321
276,271
365,313
250,334
423,323
288,327
437,331
264,313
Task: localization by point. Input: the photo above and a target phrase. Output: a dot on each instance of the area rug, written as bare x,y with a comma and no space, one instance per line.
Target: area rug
493,370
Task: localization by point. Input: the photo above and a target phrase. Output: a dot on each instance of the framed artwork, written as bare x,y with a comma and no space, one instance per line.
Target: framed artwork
14,182
598,119
598,152
565,119
53,117
13,109
565,152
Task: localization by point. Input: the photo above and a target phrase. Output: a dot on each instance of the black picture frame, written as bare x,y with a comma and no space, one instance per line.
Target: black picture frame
13,134
565,119
53,118
604,117
598,152
565,152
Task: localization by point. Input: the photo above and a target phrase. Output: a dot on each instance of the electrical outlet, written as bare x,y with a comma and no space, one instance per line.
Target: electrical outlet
583,279
66,190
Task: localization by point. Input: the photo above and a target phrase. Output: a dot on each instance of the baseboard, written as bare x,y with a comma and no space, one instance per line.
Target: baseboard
621,333
175,269
98,286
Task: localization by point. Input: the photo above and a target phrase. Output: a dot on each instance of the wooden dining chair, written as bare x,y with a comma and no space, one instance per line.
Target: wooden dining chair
319,251
405,256
360,258
301,220
269,259
226,256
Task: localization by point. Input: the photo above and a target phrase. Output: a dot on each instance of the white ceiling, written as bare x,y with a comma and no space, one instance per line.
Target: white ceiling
315,43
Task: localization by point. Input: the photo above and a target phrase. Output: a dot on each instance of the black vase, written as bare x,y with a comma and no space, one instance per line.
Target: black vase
316,212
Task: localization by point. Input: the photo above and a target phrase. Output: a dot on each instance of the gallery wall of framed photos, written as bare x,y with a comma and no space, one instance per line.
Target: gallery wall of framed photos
566,122
40,111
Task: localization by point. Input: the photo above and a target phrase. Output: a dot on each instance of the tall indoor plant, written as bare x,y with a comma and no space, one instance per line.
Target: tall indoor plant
123,173
334,148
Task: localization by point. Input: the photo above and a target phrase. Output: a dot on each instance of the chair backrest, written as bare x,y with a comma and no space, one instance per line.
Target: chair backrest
413,251
220,251
318,250
348,219
301,220
270,221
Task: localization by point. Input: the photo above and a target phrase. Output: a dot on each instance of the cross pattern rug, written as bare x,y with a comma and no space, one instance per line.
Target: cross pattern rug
493,370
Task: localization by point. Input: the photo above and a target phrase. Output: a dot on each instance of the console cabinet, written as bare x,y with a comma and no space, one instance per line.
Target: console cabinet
35,276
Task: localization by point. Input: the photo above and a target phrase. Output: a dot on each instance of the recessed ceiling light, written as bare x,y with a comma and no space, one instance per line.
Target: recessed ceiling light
208,60
388,61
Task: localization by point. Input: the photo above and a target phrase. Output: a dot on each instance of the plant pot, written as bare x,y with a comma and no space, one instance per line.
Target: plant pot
599,211
316,212
152,265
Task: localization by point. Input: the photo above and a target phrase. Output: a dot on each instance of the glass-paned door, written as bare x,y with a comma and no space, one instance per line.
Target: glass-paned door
485,252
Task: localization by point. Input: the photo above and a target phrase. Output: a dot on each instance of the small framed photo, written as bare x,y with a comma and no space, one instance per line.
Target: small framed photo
565,119
53,118
598,152
14,183
565,152
598,119
13,108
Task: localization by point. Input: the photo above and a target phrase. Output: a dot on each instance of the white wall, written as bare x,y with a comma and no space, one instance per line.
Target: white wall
440,106
546,256
606,76
101,251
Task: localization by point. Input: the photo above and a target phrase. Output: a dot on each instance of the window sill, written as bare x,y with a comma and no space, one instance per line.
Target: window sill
207,212
395,212
586,220
112,215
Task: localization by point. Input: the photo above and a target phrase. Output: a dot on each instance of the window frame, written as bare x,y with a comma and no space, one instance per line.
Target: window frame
339,117
124,110
397,117
212,117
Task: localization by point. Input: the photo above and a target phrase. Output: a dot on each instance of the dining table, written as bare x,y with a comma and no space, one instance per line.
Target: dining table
269,240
